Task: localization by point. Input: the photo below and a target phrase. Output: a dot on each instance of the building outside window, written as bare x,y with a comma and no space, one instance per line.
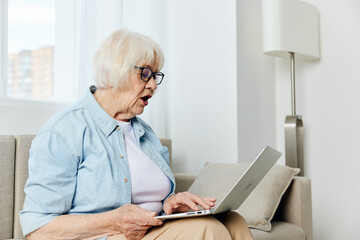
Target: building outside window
30,42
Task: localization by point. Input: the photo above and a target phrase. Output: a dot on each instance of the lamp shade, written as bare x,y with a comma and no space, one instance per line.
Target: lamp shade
290,26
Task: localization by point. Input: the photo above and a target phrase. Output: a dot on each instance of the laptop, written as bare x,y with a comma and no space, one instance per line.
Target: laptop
245,184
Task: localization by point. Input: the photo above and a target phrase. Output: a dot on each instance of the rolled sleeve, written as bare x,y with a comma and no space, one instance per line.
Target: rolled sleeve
52,180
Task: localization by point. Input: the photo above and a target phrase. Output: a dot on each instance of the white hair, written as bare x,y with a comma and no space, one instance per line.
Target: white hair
121,51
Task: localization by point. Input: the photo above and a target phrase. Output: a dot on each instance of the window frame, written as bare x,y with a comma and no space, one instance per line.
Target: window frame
63,82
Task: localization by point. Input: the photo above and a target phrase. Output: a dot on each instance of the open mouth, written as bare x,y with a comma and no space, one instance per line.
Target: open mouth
145,99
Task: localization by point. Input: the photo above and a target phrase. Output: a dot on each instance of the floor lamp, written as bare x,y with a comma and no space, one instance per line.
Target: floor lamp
291,30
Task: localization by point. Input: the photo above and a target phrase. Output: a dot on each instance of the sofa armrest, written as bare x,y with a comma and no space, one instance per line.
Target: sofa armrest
183,181
296,207
7,176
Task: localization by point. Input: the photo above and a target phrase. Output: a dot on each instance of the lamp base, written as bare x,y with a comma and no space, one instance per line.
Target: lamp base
294,142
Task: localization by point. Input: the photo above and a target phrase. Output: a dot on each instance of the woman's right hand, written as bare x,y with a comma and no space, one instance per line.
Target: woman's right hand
134,221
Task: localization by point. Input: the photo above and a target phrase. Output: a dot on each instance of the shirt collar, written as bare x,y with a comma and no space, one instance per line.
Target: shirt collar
138,128
106,123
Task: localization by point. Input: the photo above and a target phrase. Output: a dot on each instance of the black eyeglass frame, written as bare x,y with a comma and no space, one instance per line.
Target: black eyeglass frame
153,74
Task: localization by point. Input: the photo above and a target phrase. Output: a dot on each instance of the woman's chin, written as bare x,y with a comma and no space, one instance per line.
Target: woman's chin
138,111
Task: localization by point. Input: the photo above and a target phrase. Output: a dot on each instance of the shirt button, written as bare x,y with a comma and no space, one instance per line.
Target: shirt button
117,127
125,180
121,156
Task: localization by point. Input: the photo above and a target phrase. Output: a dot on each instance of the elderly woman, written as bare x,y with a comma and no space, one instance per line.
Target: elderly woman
97,171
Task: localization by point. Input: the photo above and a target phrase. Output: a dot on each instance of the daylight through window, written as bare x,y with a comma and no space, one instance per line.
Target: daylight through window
30,66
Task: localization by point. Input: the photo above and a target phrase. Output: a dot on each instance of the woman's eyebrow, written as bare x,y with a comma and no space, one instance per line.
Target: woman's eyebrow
148,66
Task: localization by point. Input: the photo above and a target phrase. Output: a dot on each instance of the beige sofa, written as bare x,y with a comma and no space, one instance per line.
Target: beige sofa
293,219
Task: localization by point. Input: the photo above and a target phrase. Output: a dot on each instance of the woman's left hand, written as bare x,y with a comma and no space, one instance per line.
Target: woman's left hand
182,202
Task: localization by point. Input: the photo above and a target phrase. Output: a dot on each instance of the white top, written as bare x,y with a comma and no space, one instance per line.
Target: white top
149,184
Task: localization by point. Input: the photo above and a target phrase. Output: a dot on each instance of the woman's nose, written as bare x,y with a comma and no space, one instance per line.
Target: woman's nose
151,84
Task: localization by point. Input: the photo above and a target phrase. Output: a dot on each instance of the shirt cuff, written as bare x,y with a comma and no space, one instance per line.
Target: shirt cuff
31,221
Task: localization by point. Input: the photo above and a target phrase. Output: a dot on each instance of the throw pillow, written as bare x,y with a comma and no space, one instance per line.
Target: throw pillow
259,208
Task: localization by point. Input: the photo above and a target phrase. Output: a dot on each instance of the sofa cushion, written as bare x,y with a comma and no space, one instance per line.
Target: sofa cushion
183,181
280,230
259,208
7,159
23,143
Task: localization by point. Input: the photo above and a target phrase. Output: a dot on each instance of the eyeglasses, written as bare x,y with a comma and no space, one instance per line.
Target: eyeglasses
147,74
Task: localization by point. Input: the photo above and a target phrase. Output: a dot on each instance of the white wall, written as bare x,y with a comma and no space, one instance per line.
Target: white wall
202,74
256,84
328,95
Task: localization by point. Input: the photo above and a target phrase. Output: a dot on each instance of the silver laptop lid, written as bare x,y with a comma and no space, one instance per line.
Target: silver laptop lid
248,181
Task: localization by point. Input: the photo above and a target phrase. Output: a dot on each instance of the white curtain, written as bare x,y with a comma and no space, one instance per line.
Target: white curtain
95,20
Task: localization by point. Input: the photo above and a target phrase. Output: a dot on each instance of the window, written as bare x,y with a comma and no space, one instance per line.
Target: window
30,38
37,50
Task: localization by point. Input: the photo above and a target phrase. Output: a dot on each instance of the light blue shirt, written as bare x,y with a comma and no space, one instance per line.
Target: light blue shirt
78,164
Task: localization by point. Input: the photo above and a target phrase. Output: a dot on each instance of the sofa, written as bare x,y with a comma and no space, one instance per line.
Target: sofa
292,220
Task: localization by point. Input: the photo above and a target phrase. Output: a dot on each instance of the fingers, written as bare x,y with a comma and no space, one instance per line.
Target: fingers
151,221
135,221
181,202
132,217
146,218
205,203
167,208
209,201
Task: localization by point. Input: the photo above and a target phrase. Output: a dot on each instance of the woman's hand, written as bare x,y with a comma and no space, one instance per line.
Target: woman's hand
134,221
184,201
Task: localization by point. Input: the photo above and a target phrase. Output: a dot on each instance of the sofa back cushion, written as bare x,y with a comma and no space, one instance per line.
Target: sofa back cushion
167,143
23,143
7,159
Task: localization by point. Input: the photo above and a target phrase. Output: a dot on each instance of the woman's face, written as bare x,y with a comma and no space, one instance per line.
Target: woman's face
133,97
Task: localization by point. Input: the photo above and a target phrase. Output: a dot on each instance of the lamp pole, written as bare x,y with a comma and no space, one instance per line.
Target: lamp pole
294,133
292,72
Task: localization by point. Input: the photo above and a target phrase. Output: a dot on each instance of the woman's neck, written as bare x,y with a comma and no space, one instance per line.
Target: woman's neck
110,101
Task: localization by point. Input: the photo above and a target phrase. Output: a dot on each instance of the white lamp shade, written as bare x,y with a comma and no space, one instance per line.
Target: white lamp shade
290,26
